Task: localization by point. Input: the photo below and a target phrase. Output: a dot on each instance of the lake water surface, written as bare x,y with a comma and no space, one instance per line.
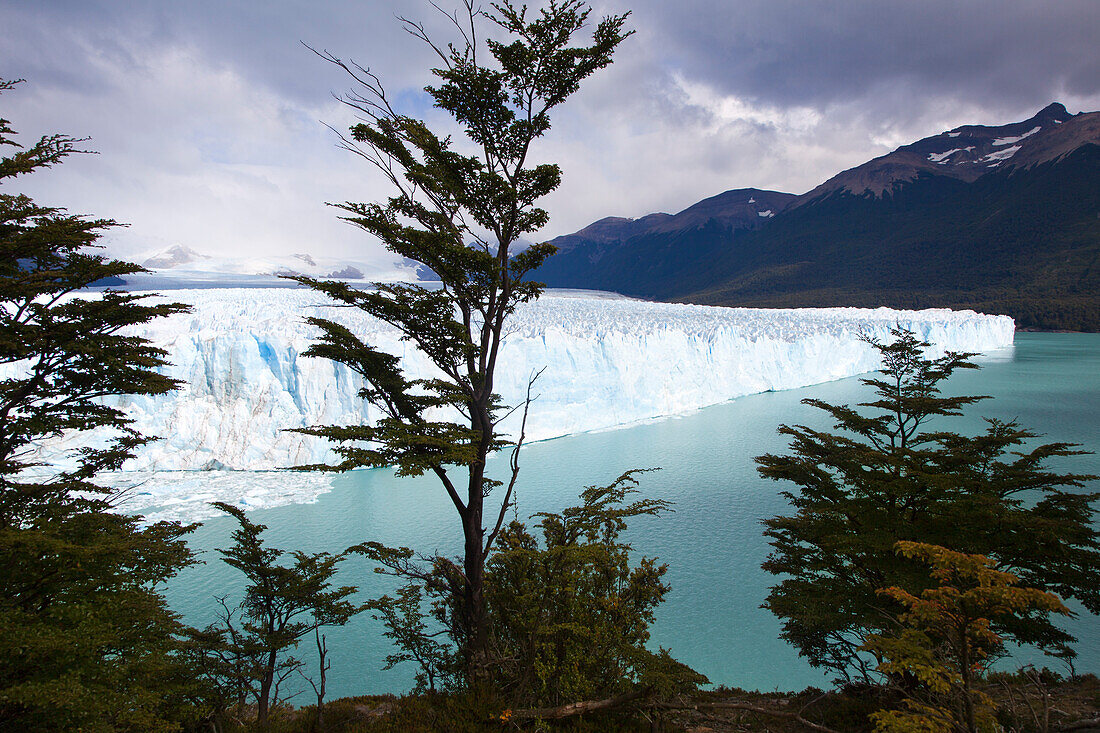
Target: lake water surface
713,544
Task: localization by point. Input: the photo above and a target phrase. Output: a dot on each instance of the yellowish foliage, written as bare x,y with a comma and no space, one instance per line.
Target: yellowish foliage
917,718
947,639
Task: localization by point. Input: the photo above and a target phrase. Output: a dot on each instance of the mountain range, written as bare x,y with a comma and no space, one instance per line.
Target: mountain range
179,258
180,266
1003,219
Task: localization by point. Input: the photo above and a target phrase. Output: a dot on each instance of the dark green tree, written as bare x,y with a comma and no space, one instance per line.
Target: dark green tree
884,475
86,641
404,619
460,215
247,653
568,610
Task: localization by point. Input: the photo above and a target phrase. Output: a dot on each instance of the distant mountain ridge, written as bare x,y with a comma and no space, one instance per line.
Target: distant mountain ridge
969,152
742,208
177,255
590,258
182,259
1003,218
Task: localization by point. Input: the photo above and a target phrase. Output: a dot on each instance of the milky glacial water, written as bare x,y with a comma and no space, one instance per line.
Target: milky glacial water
713,543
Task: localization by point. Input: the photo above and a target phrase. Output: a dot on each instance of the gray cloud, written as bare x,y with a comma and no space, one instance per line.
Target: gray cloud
207,113
999,52
260,40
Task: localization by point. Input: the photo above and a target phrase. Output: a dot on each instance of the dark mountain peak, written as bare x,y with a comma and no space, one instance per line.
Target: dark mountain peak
1059,140
741,208
1055,112
966,153
737,197
610,230
605,229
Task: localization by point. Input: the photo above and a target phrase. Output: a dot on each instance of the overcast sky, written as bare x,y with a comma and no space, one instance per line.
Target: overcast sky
207,114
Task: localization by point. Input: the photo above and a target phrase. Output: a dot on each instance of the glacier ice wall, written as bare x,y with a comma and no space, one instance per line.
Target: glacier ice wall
608,361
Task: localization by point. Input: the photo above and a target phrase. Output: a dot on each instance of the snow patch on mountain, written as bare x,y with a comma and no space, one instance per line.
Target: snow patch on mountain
941,158
1009,140
1001,155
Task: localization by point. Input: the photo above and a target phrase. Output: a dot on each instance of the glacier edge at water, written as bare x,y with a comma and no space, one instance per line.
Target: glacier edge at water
608,362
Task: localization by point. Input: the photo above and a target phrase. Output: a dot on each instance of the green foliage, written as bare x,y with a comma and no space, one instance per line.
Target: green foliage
460,215
86,641
885,476
946,641
405,626
568,611
248,656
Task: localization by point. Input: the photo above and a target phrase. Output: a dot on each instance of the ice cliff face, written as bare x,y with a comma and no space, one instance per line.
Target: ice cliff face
607,362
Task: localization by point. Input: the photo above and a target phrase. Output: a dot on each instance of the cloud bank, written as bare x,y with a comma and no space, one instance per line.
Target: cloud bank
207,115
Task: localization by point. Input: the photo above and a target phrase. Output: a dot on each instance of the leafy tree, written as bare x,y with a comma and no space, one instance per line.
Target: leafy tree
885,476
404,620
568,611
86,641
246,656
461,216
946,640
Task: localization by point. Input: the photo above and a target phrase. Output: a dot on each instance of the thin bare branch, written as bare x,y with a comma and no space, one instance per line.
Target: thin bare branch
416,30
514,465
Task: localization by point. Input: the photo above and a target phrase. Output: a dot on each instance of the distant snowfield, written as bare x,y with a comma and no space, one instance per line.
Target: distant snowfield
1015,139
608,362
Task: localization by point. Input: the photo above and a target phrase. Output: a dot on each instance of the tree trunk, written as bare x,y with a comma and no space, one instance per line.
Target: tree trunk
322,655
473,600
733,705
579,708
964,672
262,704
473,611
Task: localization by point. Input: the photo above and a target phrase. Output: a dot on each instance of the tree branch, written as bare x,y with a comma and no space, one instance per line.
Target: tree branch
514,462
580,708
749,708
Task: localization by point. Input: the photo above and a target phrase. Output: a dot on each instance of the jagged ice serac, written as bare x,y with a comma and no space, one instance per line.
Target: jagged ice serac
604,362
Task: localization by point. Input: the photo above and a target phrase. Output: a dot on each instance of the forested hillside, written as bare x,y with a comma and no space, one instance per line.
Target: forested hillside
1020,242
1004,220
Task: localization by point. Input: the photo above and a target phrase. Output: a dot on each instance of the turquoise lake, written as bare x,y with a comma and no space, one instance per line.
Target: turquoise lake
713,543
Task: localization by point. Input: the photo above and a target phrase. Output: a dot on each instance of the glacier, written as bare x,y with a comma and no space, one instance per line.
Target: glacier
607,361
